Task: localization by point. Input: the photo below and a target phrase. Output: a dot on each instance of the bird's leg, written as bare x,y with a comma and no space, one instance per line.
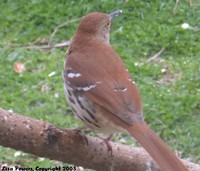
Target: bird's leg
106,140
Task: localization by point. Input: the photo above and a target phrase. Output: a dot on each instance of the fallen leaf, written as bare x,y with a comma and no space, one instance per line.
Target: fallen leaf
41,41
44,88
19,67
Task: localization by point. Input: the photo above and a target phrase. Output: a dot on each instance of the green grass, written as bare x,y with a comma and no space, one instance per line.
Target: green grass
170,87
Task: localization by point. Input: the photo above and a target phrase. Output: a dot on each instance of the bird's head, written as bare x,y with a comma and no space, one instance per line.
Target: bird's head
97,24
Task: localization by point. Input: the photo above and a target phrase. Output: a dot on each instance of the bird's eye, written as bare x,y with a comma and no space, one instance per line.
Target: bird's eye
108,24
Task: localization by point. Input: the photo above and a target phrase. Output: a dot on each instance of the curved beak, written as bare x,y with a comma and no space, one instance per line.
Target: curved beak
115,14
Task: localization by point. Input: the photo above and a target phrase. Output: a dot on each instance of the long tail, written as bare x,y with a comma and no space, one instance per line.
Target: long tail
154,145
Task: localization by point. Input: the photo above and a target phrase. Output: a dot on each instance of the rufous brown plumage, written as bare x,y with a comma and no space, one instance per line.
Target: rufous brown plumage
101,92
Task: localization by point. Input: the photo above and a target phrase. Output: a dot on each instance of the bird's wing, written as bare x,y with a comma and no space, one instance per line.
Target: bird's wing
110,87
117,99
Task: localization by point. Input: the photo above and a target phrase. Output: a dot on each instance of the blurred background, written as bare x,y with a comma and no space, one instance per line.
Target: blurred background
169,81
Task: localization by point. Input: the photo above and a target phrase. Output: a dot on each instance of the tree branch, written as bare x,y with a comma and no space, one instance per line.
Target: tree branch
37,47
46,140
60,26
154,57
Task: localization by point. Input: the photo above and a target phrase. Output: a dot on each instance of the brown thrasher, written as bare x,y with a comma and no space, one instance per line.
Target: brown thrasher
101,93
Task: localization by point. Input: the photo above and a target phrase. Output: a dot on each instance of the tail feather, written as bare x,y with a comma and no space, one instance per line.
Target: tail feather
154,145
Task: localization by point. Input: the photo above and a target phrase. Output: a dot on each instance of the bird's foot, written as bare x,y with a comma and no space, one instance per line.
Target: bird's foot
106,140
78,131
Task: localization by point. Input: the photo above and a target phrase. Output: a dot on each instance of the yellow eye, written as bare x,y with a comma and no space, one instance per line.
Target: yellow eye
108,24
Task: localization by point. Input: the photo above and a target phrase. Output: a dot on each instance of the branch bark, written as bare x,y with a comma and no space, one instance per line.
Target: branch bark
46,140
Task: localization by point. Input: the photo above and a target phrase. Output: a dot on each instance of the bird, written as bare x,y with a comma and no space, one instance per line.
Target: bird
101,92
